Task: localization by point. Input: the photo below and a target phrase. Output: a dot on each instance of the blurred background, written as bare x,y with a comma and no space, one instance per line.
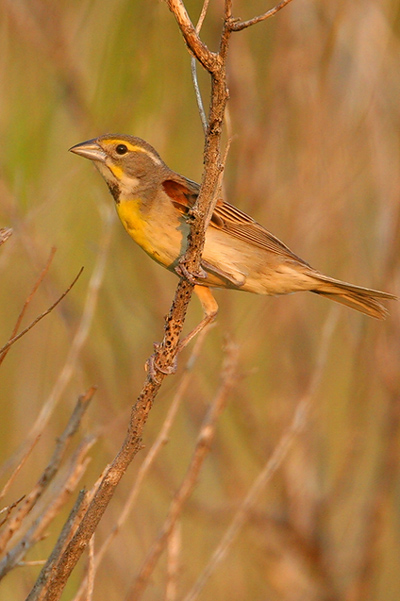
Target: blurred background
314,120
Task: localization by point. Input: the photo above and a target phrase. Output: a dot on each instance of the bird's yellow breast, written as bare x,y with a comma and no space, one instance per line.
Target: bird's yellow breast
133,221
160,235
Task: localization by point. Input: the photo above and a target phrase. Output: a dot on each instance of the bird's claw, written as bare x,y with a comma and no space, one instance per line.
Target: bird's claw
153,368
191,277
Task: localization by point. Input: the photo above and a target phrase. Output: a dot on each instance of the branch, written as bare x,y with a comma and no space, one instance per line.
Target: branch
193,68
202,448
209,60
79,339
28,300
273,463
39,317
239,25
44,580
150,458
47,476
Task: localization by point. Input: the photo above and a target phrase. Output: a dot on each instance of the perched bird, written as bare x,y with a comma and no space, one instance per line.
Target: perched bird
152,202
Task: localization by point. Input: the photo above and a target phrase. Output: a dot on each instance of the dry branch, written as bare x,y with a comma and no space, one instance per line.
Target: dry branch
28,300
14,339
272,464
202,448
239,25
68,484
44,581
150,458
82,332
61,494
208,59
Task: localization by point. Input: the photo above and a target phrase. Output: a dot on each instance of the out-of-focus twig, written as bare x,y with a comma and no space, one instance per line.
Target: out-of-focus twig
296,425
202,448
18,468
193,67
43,582
150,458
386,480
91,570
174,549
27,301
76,345
10,342
8,510
30,500
63,490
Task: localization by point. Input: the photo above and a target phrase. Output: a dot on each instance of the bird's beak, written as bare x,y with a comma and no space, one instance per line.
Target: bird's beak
90,150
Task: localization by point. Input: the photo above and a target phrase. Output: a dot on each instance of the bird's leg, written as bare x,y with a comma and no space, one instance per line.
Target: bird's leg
210,309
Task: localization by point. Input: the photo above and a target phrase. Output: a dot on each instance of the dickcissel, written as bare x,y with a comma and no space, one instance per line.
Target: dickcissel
152,202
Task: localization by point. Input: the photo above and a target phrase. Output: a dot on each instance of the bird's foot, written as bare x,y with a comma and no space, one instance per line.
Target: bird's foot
192,277
153,368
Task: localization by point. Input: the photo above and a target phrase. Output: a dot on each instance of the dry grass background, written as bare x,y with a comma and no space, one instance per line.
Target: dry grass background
314,116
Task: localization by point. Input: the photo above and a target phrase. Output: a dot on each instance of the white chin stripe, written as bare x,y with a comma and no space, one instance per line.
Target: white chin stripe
128,185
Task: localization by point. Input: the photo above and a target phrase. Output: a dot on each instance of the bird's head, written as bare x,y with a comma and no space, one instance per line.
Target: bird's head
126,163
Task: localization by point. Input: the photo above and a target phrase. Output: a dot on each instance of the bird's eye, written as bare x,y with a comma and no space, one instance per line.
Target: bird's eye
121,149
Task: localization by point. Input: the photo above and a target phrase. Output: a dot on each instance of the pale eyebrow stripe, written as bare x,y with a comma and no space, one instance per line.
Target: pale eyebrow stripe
134,148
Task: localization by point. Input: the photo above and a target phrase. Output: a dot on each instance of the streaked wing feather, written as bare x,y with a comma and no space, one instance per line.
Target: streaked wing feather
242,226
228,219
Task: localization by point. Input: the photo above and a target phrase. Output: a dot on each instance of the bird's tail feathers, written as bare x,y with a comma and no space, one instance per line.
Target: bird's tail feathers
365,300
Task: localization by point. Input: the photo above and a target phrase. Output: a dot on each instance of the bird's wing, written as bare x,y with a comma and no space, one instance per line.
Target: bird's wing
228,219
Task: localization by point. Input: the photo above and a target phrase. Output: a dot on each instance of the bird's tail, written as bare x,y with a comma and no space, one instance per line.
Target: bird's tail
365,300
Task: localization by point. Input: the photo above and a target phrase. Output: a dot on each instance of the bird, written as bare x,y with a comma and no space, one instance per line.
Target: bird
153,203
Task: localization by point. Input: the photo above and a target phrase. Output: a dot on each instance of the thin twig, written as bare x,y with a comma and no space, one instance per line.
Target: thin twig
238,25
151,456
83,328
297,424
193,67
202,448
5,348
44,581
48,474
18,468
174,549
78,341
68,483
28,300
8,510
199,100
